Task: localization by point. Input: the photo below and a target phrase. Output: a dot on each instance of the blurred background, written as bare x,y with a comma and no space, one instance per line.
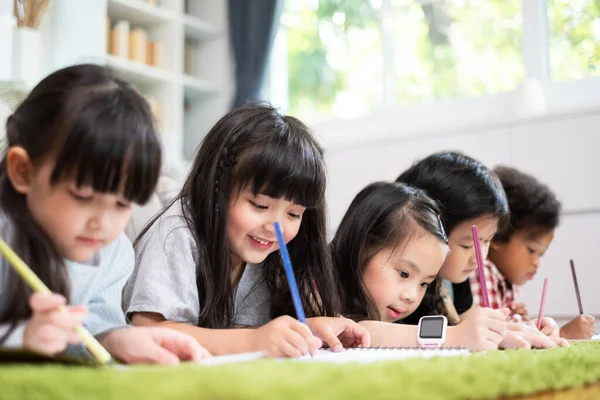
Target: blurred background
381,82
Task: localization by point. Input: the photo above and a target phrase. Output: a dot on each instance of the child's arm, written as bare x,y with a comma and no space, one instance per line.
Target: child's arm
385,334
152,345
483,329
216,341
282,337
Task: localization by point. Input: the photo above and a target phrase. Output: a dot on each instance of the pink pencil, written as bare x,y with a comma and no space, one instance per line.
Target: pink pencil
479,258
541,314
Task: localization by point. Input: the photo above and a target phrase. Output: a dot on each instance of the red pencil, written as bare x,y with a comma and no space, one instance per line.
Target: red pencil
541,314
479,258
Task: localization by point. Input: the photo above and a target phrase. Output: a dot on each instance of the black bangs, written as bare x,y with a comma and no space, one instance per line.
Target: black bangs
110,144
283,168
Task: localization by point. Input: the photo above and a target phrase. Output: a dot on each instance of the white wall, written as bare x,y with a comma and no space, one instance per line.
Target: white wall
559,150
4,113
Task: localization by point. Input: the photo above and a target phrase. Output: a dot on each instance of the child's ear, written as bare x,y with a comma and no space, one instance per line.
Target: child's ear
19,169
494,246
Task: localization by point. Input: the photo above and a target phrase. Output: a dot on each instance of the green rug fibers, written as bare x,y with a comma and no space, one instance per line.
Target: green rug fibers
500,373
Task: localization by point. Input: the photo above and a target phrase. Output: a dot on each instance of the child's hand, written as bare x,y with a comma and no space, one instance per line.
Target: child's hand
49,331
339,332
483,328
581,327
153,345
285,337
528,338
521,327
549,327
519,309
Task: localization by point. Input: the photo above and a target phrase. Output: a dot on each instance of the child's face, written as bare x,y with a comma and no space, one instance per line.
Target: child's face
461,261
251,230
519,258
397,279
78,220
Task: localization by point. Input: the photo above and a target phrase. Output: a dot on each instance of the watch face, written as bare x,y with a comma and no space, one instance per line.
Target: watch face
432,328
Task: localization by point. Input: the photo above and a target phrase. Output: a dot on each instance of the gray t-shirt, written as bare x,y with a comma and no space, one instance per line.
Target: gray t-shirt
164,278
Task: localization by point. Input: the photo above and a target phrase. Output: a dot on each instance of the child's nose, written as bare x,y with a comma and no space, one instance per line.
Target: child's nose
409,295
95,222
269,227
100,219
473,259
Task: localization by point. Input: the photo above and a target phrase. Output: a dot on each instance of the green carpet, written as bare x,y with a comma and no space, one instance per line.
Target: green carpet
500,373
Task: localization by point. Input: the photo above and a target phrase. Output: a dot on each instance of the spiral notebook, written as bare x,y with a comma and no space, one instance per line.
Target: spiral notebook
374,354
352,355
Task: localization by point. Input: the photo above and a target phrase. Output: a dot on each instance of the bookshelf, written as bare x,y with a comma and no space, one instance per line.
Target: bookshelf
184,83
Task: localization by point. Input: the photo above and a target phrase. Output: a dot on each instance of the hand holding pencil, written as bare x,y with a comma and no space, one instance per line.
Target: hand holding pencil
582,326
99,352
49,330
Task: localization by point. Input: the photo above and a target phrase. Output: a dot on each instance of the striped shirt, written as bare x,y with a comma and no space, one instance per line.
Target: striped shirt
501,293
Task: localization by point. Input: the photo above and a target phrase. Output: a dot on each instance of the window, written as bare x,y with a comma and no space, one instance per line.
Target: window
574,27
347,58
446,49
334,57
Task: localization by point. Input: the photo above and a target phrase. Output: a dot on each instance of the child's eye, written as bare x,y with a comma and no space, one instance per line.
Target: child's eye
81,198
259,206
424,284
296,216
466,247
403,274
530,250
123,205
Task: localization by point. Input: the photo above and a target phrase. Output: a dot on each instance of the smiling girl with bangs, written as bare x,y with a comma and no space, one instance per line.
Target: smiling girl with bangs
209,261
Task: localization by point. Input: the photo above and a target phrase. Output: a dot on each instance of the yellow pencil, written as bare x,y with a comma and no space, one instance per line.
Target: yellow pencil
36,284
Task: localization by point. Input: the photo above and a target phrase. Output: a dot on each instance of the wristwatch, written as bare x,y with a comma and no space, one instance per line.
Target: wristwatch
432,331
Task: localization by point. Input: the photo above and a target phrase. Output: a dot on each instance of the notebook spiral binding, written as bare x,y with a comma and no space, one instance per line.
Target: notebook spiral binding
406,348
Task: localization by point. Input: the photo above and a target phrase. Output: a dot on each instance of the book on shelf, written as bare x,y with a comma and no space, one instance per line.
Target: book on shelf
138,45
152,53
120,39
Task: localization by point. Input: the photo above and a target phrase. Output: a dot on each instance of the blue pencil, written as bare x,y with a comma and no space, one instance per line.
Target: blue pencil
289,272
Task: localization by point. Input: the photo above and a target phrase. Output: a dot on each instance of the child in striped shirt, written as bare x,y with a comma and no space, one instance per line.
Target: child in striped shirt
516,251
